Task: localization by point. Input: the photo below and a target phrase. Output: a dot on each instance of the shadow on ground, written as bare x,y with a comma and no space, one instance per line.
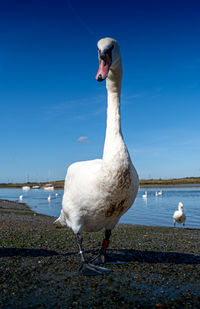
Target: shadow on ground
114,255
151,257
9,252
131,255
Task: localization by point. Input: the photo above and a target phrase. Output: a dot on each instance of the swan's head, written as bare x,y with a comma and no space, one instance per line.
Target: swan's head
109,56
180,205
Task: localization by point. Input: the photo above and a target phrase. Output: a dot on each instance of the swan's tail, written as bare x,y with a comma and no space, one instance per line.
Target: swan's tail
60,222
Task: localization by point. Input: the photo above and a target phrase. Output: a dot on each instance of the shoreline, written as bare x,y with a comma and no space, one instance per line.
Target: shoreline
157,267
184,185
179,182
196,185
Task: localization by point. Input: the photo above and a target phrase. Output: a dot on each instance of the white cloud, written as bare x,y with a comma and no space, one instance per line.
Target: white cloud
83,139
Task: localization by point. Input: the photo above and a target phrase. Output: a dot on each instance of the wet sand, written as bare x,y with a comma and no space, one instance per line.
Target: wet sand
157,267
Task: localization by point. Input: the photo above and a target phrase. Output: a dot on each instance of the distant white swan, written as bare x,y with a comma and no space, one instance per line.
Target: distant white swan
179,216
56,194
21,197
49,197
98,192
145,195
158,193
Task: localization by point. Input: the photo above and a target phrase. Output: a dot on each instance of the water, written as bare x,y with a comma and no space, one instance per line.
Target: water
37,199
154,211
158,211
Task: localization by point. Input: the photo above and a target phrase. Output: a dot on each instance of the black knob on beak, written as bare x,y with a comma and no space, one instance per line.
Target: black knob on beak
100,79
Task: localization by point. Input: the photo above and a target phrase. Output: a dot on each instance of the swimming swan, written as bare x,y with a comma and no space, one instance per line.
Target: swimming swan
98,192
144,195
158,193
179,216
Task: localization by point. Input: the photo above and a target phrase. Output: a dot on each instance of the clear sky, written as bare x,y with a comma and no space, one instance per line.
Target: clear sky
53,111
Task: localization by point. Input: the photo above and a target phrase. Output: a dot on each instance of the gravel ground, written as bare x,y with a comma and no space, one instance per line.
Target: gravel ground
157,267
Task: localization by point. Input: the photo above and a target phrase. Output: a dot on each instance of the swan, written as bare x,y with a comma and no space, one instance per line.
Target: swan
98,192
179,216
158,193
49,197
21,197
145,195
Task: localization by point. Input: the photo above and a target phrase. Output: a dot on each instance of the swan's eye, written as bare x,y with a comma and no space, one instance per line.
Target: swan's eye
109,51
106,52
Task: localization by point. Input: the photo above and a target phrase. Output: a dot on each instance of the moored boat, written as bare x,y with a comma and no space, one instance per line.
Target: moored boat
48,187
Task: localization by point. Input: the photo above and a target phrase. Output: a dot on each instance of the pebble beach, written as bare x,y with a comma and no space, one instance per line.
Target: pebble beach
155,267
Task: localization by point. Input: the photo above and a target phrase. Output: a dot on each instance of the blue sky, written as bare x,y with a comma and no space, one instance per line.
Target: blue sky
53,111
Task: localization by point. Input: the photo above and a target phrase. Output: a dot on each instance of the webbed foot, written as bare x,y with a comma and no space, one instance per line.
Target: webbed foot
88,269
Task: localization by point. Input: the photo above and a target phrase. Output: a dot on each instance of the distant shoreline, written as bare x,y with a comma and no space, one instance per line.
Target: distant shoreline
189,185
144,183
194,185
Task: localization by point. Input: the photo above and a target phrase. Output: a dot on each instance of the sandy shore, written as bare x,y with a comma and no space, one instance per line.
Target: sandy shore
157,267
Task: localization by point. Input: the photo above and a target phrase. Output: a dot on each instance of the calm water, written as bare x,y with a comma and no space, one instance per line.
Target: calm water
151,211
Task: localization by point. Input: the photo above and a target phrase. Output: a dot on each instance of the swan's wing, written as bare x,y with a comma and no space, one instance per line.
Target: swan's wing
82,174
81,193
176,214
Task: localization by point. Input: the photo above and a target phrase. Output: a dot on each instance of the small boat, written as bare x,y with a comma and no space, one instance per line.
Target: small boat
26,188
48,187
35,187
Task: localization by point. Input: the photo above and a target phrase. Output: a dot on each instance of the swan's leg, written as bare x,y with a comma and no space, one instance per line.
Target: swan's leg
102,256
105,245
79,241
87,269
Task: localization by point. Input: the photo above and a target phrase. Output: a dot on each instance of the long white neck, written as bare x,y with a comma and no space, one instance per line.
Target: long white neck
114,139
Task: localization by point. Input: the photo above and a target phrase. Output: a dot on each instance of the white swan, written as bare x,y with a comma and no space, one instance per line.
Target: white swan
49,197
98,192
21,197
179,216
144,195
158,193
